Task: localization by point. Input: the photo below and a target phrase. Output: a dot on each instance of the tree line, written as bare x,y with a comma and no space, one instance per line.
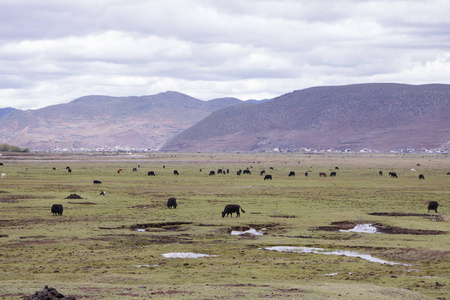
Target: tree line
10,148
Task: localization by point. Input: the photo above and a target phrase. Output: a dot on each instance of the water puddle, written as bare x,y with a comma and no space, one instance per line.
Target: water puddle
332,252
145,266
186,255
251,231
362,228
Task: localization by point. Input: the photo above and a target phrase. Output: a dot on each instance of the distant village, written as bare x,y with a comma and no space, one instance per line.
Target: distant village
128,150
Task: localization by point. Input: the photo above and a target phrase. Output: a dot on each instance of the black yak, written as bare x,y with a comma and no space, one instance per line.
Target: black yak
172,203
232,208
433,205
268,177
57,209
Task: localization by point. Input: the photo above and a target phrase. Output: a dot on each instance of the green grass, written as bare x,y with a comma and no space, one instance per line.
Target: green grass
93,252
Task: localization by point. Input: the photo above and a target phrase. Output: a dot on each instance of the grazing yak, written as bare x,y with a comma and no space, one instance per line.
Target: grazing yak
175,172
393,174
238,172
380,173
333,174
120,170
97,181
232,208
433,205
291,174
57,209
322,175
102,193
151,173
262,173
268,177
247,172
212,173
172,202
306,174
134,169
421,176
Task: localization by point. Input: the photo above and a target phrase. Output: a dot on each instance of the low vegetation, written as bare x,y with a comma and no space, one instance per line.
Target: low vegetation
111,246
10,148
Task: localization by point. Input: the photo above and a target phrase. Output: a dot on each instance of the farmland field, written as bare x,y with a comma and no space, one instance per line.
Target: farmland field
112,246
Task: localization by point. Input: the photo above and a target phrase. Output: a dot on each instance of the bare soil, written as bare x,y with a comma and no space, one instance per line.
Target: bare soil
346,225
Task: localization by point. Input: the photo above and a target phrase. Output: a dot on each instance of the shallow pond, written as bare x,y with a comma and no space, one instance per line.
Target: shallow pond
251,231
332,252
362,228
186,255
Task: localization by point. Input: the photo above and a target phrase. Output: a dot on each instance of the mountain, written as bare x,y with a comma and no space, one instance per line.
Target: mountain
107,122
379,116
6,110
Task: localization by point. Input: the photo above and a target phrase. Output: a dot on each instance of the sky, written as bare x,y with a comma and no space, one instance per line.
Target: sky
54,51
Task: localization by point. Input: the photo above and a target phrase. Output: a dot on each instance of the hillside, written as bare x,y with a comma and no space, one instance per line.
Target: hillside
107,122
376,116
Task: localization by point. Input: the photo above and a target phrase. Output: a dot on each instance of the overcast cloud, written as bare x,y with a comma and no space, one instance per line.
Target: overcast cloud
55,51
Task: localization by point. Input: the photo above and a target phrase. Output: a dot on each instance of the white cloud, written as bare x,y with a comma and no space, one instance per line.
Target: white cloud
56,51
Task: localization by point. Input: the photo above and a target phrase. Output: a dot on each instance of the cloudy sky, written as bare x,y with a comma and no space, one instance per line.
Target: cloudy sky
54,51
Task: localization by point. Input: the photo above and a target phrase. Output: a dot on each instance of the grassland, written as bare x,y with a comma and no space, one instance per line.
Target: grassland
94,251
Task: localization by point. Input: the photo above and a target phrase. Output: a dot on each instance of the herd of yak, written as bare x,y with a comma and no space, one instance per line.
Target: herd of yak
57,209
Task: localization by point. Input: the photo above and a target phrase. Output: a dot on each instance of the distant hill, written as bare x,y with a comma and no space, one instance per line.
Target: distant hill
6,110
103,121
379,116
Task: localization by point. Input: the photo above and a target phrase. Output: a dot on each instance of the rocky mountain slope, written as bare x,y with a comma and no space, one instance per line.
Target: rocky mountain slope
106,122
378,116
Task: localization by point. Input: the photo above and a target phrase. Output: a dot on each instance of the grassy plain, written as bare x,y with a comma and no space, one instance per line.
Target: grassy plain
93,251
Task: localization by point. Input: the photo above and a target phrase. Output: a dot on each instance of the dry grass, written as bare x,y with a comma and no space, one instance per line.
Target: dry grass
94,250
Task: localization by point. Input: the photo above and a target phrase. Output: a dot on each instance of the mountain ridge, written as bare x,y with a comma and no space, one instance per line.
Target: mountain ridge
99,121
380,116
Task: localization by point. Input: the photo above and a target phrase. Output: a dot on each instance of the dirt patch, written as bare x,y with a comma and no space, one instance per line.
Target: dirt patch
399,230
48,293
32,237
244,284
239,228
163,226
398,214
171,292
73,196
149,239
85,203
327,228
14,198
283,216
346,225
439,218
148,206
